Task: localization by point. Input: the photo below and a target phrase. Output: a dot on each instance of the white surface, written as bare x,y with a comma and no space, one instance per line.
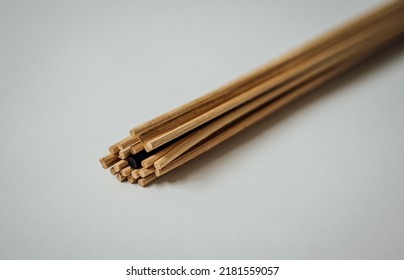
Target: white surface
322,179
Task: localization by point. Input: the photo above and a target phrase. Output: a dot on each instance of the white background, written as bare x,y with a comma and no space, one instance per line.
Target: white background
322,179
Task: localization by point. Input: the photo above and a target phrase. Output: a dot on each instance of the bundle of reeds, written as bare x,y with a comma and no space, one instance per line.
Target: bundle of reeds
172,139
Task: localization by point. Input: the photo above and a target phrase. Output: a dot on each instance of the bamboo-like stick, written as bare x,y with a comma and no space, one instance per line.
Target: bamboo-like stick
108,161
265,111
120,177
120,165
123,154
148,162
333,55
144,172
126,171
138,147
143,182
114,149
287,61
131,179
205,131
135,174
127,142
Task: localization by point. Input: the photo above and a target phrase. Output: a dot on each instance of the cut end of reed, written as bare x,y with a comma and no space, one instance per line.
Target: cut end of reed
120,165
120,177
137,148
144,172
143,182
135,174
126,171
131,179
103,164
148,147
108,160
114,149
123,154
157,166
146,163
161,163
128,142
159,172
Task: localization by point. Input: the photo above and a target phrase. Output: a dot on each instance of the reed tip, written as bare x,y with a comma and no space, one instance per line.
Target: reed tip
148,147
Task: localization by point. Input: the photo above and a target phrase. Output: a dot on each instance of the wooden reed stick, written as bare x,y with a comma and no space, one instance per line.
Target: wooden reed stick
334,55
114,149
138,147
143,182
123,154
144,172
135,174
108,161
127,142
148,162
120,177
131,179
112,171
289,60
204,132
126,171
262,113
120,165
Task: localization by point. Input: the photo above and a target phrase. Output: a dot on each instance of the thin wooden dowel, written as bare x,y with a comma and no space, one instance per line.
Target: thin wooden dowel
128,142
123,154
148,162
143,182
135,174
108,161
120,165
112,171
289,60
126,171
144,172
120,177
114,149
260,114
138,147
204,132
335,54
131,179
